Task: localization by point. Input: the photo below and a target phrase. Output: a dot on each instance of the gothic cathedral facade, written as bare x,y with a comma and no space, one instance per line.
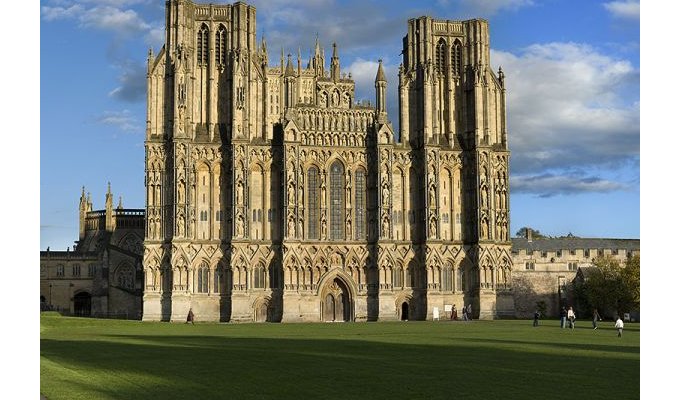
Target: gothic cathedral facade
273,195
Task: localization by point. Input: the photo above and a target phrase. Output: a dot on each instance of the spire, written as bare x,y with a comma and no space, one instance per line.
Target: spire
120,203
317,48
335,64
289,67
380,76
299,60
82,214
109,209
281,59
265,55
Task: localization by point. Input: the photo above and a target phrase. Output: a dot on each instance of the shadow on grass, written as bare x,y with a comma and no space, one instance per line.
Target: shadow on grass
210,367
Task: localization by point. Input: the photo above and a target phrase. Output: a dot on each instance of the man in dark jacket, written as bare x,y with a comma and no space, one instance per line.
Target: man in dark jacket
563,318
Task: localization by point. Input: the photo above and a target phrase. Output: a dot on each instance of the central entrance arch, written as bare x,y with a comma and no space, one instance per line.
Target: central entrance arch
336,302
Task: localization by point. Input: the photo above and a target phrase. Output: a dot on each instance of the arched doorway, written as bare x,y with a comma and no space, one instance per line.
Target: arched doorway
404,311
82,304
336,303
261,312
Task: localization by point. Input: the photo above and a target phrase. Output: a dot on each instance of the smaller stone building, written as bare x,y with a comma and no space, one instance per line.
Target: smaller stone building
102,275
543,268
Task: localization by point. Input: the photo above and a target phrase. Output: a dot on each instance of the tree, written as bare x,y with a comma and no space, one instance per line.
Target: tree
535,233
611,288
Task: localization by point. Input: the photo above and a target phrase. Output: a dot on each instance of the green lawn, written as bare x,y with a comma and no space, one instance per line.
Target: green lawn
111,359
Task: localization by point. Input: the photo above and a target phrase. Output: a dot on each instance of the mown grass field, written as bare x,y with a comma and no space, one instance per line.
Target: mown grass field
111,359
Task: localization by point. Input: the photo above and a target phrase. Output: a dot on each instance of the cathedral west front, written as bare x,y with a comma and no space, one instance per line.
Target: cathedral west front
272,194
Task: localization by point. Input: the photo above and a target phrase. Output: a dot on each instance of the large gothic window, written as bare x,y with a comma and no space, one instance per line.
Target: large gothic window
337,200
202,46
313,203
202,281
360,204
125,277
221,46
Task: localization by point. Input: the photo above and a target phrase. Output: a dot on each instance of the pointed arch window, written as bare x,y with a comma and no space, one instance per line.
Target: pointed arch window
202,46
360,204
313,203
337,200
202,281
221,46
448,278
398,277
456,57
440,56
259,277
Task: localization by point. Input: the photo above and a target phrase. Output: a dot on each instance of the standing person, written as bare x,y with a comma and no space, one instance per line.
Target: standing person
619,325
563,318
596,316
454,313
190,317
571,316
536,316
465,314
469,311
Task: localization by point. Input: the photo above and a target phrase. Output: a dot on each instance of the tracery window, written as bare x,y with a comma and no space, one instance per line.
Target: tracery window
456,58
221,46
337,200
126,277
360,204
440,56
202,46
313,203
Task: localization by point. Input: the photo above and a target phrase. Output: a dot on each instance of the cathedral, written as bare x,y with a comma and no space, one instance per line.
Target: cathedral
272,194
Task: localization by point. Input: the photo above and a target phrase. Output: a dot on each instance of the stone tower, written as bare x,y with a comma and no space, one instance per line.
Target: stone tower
273,195
452,113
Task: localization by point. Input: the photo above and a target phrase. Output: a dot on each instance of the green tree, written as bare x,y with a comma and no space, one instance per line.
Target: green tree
612,287
535,233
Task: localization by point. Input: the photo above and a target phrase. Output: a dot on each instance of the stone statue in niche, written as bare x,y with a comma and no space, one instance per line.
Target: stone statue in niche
239,226
433,227
239,193
291,227
386,227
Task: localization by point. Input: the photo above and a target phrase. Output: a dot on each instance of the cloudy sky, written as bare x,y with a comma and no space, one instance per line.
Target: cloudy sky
573,91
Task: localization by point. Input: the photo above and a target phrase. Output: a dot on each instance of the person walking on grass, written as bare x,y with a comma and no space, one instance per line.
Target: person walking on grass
619,325
596,317
469,311
190,317
465,314
563,318
536,316
571,316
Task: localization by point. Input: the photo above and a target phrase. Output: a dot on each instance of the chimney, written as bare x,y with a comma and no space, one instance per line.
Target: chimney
529,235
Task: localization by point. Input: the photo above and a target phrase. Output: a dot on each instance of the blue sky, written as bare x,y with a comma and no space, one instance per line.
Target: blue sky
573,90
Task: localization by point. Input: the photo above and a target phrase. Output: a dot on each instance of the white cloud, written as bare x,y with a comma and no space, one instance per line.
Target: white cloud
624,9
569,107
55,13
123,120
125,22
486,7
107,17
548,185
